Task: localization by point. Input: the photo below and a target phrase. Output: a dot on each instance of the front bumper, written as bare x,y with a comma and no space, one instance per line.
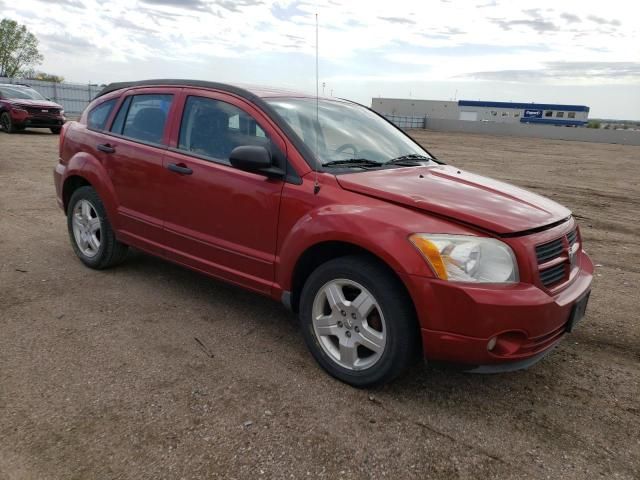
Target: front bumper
458,320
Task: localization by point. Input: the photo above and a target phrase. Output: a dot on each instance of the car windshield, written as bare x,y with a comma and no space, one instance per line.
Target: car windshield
21,93
346,134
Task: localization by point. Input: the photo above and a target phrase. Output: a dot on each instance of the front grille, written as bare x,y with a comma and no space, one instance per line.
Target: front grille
549,251
552,275
554,260
38,111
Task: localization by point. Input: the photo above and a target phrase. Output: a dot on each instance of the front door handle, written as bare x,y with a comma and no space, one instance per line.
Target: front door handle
106,148
180,168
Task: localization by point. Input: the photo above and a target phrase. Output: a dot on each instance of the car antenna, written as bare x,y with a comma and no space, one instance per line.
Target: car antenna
316,185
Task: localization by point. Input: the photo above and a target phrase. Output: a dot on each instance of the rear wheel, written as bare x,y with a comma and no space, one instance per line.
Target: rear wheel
92,237
358,321
56,130
6,123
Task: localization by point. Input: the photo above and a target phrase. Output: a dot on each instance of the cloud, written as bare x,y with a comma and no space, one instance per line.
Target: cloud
199,5
398,20
604,21
537,22
288,12
68,3
570,17
540,26
492,3
560,70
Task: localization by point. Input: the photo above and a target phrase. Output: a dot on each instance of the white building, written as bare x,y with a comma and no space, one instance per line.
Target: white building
481,111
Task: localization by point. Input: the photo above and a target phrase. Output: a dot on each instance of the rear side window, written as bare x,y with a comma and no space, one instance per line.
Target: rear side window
97,118
143,117
212,128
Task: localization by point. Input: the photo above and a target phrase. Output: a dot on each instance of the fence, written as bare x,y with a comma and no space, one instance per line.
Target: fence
406,122
73,97
579,134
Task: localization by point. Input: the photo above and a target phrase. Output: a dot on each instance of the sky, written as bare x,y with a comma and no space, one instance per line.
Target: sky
546,51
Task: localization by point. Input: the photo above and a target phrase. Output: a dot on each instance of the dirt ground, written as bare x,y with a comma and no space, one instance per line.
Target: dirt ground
101,376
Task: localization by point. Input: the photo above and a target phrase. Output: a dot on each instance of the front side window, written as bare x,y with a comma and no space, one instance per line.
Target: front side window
343,131
213,128
143,117
97,117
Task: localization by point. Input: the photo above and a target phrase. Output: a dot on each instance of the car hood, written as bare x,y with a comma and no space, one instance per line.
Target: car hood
33,103
447,191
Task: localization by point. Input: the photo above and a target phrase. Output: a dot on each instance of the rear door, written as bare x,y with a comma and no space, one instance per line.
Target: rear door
217,218
136,144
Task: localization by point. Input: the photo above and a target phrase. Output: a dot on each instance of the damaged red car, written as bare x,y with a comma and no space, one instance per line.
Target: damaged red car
386,254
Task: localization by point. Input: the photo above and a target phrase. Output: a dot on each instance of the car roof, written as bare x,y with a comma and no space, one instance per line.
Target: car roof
247,91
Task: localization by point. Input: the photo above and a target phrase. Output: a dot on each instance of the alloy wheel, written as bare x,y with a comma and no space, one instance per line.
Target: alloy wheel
349,324
86,228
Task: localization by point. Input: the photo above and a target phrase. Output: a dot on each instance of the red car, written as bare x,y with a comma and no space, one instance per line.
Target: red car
386,253
22,107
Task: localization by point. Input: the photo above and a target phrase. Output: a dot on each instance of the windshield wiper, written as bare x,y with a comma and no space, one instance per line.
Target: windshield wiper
352,162
410,160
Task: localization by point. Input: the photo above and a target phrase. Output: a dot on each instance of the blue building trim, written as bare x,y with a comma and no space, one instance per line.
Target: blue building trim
523,106
553,121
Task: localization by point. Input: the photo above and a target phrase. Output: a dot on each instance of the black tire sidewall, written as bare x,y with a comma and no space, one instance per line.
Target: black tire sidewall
396,307
89,194
10,128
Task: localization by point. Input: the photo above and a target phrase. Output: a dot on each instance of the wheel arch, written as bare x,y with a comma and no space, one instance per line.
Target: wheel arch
70,185
85,170
321,252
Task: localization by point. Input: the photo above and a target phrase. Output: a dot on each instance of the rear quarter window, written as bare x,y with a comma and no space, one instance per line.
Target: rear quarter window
97,118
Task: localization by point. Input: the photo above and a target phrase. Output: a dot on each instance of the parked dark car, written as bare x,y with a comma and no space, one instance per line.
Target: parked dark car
386,253
22,107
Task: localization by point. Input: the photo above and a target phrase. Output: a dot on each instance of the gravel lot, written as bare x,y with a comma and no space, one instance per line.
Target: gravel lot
101,376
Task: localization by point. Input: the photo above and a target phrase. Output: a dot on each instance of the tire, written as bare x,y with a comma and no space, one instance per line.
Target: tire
389,326
6,123
92,237
56,130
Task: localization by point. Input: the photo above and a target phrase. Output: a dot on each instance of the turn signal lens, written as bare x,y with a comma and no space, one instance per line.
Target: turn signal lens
431,253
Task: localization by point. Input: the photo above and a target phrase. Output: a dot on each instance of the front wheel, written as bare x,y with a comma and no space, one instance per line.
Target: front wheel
6,123
92,237
358,321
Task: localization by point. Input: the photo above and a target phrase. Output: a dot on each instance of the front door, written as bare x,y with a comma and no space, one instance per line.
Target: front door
219,219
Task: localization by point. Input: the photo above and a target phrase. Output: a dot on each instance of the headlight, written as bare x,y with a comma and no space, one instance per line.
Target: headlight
461,258
62,112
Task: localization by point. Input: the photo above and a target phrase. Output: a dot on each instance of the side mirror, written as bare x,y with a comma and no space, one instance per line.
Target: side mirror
254,158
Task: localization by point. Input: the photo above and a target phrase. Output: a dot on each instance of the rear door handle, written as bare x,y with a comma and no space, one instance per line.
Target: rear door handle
106,148
180,168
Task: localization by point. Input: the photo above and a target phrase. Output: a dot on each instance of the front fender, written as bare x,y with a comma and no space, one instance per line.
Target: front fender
376,229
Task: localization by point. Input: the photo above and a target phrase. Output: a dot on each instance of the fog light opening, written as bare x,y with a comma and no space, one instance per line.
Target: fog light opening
491,344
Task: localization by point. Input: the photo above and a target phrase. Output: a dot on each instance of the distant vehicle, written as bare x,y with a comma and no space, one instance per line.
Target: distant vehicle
22,107
385,253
